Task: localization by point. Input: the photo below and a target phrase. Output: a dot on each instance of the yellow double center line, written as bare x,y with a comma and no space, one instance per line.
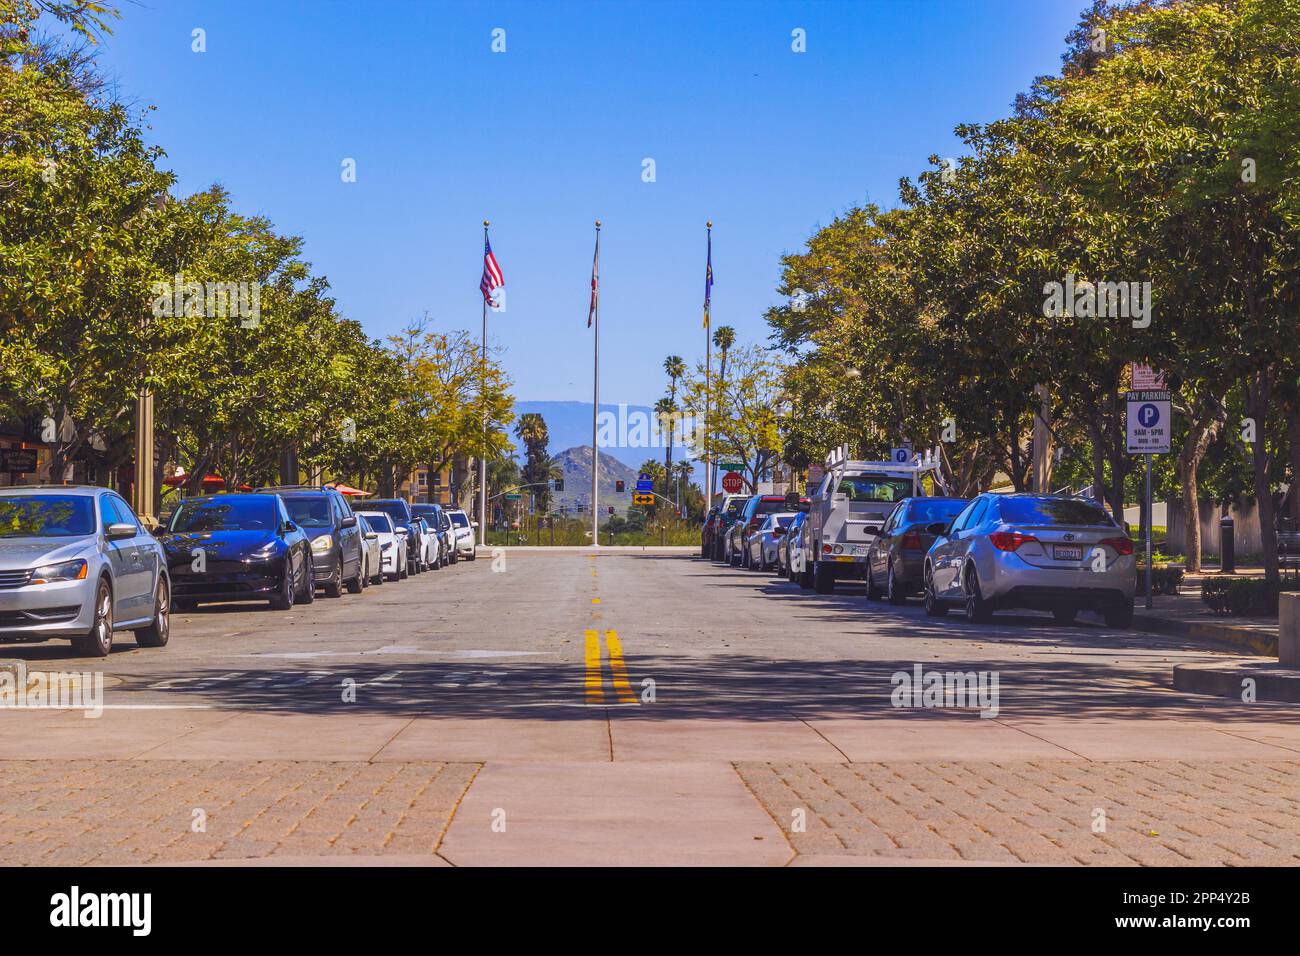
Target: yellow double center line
595,680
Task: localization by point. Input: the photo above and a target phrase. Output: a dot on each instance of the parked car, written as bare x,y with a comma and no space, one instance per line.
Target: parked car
763,544
1047,552
399,510
76,564
238,547
787,545
430,547
440,525
464,530
326,517
372,555
728,512
393,563
747,523
849,508
896,559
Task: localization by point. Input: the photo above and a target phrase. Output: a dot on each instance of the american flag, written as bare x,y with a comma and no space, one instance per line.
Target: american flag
492,278
595,282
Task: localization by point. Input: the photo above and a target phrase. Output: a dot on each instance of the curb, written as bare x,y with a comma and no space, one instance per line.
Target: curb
1272,683
1248,640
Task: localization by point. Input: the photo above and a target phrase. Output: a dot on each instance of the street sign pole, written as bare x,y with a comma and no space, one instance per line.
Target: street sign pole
1148,523
482,458
595,416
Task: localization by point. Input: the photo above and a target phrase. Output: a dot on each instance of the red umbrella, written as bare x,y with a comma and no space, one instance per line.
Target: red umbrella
350,491
210,481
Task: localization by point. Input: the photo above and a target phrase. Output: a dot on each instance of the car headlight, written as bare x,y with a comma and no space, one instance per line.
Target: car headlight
265,551
65,571
322,544
385,546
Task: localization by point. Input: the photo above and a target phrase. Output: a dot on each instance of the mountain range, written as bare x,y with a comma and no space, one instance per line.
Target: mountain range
569,424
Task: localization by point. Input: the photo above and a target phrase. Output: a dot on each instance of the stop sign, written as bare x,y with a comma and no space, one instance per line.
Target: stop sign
732,483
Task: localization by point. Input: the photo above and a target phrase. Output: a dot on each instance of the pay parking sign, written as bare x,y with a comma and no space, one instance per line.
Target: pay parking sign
1148,422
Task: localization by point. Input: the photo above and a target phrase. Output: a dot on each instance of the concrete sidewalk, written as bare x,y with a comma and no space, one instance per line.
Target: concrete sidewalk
608,789
1186,615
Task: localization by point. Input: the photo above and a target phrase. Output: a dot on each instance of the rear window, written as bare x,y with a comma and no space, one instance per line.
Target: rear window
875,488
46,516
767,507
734,506
459,520
311,512
225,514
393,509
1052,511
935,509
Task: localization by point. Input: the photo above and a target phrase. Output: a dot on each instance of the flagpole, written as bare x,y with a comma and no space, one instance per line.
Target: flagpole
482,460
709,371
595,413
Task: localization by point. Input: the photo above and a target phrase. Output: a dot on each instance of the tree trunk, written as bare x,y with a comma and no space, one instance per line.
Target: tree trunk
1259,395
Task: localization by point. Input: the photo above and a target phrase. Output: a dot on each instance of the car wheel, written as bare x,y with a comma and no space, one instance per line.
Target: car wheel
334,586
893,593
453,557
288,589
823,579
355,585
159,629
365,575
98,641
473,554
977,609
1121,616
1065,615
308,593
933,606
404,572
873,592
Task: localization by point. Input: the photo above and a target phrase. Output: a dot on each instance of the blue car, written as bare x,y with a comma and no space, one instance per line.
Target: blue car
238,547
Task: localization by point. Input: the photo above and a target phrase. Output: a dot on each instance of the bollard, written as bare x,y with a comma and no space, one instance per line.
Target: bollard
1227,545
1288,631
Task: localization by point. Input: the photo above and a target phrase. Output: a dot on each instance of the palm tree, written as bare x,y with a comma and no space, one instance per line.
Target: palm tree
532,431
675,368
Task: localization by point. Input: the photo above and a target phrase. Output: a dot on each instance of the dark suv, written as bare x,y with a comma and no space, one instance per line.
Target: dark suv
399,509
440,524
326,517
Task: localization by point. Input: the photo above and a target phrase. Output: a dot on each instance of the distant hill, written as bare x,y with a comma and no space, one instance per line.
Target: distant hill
569,424
577,480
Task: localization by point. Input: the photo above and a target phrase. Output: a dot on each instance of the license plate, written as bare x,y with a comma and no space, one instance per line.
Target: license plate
859,550
1067,552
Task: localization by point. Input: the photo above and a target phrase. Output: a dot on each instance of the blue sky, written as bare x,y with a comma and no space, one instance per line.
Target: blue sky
551,134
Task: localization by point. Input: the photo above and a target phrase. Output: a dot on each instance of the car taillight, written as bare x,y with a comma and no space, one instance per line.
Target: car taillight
912,541
826,549
1010,540
1122,546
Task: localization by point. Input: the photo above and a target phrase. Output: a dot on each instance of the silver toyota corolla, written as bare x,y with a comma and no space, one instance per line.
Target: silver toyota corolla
1046,552
76,563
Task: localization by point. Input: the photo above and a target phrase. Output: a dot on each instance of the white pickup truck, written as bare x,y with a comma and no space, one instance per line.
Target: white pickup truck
849,508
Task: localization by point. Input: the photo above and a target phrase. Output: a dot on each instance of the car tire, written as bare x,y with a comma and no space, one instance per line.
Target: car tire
893,593
288,589
404,572
1064,615
804,578
308,593
334,586
933,606
473,555
977,609
1121,616
453,557
355,585
873,592
98,641
823,579
159,629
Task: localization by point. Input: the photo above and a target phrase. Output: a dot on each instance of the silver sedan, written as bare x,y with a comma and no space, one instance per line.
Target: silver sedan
75,563
1046,552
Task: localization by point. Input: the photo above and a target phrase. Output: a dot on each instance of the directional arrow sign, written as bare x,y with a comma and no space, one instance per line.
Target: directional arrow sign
643,499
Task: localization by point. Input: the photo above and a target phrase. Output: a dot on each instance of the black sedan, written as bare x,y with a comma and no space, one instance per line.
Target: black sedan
896,559
237,547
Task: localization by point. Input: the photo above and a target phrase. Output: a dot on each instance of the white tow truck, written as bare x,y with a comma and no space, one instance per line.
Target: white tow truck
849,508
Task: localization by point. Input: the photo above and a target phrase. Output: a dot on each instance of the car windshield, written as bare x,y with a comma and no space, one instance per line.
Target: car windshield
734,506
782,521
1052,511
380,522
874,488
459,520
224,514
927,510
392,509
309,512
46,516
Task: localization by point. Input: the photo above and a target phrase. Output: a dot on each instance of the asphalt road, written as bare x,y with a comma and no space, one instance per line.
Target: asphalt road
640,707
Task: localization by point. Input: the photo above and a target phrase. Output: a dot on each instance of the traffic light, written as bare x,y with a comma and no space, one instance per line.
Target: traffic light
559,484
618,486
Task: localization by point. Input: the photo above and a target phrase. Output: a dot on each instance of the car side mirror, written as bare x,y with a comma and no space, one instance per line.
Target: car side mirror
350,521
939,528
473,524
372,535
119,530
288,526
778,530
